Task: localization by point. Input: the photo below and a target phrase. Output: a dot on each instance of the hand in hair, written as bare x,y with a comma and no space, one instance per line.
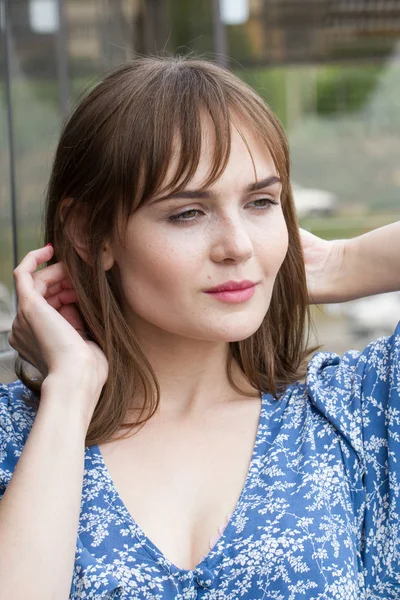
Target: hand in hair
323,261
342,270
48,331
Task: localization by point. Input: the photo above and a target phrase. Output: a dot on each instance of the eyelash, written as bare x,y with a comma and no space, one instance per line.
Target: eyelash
179,218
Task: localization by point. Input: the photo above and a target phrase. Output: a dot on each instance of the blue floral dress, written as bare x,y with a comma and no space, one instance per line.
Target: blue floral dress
318,516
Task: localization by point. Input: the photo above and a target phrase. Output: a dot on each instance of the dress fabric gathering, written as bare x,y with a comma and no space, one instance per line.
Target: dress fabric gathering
318,516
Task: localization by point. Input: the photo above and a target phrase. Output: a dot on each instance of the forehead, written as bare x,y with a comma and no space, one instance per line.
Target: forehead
248,157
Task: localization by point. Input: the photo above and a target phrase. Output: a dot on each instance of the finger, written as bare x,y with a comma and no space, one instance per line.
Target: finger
24,271
71,314
53,290
52,273
49,276
62,298
65,284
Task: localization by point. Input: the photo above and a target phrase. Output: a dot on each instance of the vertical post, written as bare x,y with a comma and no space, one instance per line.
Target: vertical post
219,35
149,11
9,112
62,60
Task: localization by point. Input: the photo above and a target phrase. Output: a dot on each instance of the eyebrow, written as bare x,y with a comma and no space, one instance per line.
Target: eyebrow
208,194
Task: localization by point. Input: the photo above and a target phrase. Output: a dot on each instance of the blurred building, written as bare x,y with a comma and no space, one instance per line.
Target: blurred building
329,30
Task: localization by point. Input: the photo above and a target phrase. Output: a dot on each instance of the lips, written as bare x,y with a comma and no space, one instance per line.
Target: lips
231,286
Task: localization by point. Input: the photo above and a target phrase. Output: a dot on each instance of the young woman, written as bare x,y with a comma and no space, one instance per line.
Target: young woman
182,441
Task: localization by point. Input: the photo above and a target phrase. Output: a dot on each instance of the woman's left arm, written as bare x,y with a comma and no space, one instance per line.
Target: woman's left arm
343,270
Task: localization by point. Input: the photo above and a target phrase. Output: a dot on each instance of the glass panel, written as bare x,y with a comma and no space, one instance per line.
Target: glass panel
34,118
99,37
35,97
6,240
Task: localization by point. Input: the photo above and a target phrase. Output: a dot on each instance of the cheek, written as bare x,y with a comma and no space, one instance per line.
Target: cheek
159,264
283,245
273,247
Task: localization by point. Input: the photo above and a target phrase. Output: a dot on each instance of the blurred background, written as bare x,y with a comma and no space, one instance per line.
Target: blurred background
330,69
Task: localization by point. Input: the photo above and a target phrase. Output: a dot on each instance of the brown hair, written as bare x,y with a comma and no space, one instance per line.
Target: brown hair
112,157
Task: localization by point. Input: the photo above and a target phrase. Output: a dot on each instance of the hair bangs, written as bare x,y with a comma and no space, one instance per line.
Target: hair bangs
167,163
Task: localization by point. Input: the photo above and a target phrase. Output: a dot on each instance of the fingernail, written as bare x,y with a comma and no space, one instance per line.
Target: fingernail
48,245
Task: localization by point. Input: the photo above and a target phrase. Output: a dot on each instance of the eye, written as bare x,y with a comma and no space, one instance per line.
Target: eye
265,203
188,215
192,215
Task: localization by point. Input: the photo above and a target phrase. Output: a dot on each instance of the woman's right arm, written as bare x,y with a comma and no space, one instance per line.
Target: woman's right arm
39,511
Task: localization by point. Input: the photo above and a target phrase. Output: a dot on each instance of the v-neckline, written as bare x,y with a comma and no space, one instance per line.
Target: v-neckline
227,533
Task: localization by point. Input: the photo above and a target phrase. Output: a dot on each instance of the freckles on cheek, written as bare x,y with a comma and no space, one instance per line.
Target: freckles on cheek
160,256
272,254
181,256
165,265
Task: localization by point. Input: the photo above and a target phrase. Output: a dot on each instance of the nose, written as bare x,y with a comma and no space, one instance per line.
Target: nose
231,241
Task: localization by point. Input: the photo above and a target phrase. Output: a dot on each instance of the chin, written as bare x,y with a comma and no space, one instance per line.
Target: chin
243,328
237,334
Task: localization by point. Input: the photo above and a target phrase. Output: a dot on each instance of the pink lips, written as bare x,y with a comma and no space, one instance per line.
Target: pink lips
233,292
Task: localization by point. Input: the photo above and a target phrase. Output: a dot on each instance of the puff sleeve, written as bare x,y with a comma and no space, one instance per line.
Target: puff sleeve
16,419
360,395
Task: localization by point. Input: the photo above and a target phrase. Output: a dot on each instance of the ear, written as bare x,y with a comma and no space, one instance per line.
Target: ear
108,256
75,225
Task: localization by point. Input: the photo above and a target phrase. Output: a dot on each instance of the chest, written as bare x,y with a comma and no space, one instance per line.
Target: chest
296,532
180,482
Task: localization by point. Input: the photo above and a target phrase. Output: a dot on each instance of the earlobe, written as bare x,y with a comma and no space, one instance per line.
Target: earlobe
108,258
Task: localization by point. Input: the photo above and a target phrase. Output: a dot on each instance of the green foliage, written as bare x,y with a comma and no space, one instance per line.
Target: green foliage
239,44
270,84
344,89
191,27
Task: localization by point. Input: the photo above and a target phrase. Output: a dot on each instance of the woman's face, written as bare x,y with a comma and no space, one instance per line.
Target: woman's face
176,248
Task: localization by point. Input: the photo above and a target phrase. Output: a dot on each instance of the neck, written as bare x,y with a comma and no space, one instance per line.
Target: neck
192,374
